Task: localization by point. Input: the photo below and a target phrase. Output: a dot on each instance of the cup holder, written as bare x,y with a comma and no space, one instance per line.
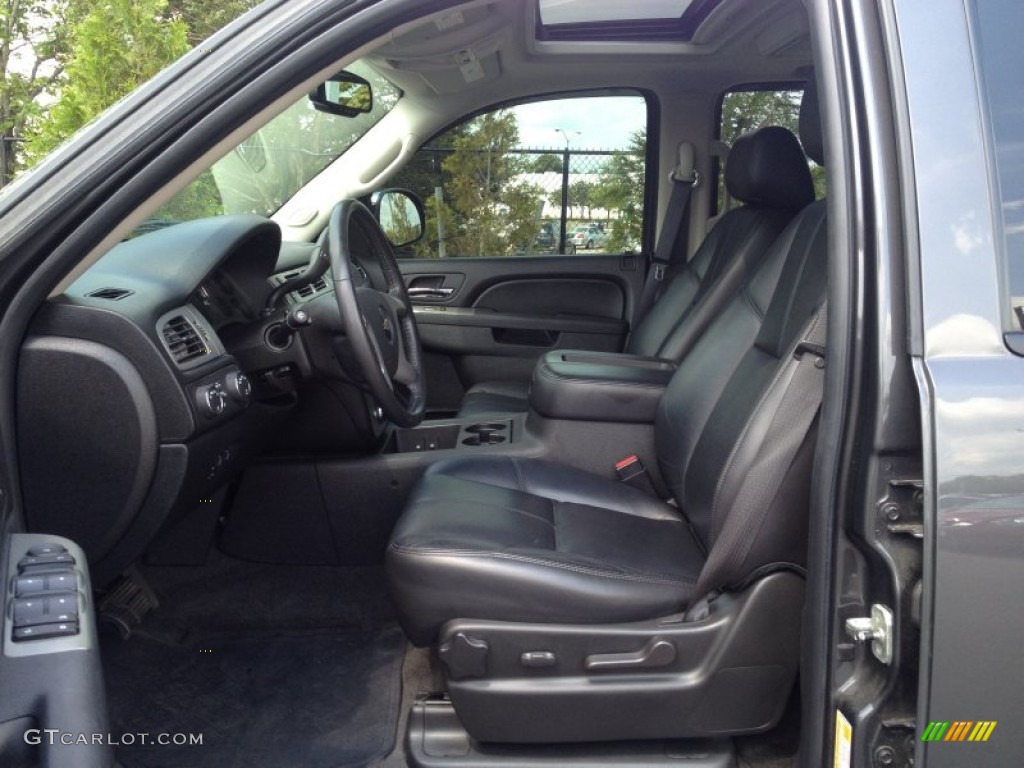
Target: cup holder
484,438
494,426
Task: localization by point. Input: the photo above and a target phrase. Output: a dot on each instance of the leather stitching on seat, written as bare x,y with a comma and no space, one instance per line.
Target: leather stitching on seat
439,552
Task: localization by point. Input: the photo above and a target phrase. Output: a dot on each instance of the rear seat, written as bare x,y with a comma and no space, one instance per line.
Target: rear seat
767,171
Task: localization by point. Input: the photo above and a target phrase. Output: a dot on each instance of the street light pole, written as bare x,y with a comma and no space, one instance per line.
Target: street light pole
565,187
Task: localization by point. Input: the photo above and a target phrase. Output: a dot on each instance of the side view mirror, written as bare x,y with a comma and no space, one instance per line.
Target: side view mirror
344,94
401,216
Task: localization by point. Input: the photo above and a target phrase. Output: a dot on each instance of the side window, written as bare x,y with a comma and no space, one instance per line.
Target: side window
509,182
1001,58
748,109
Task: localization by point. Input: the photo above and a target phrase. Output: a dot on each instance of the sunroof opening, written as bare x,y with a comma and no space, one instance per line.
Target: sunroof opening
583,11
649,20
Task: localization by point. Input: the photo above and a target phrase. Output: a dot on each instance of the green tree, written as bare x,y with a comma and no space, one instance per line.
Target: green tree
546,163
33,48
114,47
620,191
581,195
203,17
487,210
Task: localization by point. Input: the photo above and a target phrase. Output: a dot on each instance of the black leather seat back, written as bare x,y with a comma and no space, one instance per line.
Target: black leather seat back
704,435
766,170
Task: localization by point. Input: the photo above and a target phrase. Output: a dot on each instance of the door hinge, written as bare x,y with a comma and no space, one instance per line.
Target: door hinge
901,509
877,628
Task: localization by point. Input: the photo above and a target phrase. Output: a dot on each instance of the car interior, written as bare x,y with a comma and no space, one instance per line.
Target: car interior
332,500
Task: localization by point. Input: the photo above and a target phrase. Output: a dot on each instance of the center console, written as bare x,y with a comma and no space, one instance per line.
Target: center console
435,436
599,386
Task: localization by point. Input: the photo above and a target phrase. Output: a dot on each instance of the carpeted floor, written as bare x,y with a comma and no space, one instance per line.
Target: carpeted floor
273,665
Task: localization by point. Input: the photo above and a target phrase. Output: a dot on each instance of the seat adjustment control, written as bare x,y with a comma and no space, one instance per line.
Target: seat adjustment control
657,653
465,656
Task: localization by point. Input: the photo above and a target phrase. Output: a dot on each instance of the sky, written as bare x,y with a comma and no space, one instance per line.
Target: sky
604,122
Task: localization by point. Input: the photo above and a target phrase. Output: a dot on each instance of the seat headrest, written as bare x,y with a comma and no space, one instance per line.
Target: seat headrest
810,124
767,167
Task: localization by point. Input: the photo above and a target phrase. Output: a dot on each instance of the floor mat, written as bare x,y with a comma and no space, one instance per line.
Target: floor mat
305,699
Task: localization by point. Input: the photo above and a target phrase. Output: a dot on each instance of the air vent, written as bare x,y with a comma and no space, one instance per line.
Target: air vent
307,291
110,294
183,341
317,286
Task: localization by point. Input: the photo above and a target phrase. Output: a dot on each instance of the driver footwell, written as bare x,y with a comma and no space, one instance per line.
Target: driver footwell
272,665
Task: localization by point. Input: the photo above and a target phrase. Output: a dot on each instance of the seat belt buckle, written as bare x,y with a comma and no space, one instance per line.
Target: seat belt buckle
632,471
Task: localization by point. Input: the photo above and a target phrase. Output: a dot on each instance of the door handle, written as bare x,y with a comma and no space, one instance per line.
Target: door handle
657,653
429,293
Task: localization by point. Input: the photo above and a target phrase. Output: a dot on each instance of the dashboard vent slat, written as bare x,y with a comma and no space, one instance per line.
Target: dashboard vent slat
183,340
110,294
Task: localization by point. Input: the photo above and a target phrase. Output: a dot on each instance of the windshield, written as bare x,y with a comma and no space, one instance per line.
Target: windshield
268,168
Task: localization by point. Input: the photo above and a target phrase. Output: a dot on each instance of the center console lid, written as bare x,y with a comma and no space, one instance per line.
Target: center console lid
599,386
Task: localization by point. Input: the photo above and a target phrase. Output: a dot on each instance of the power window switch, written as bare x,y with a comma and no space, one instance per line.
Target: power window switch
29,611
29,585
42,631
37,563
45,609
61,607
63,580
49,548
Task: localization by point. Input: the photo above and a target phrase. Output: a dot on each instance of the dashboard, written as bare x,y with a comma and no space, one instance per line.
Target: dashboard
146,386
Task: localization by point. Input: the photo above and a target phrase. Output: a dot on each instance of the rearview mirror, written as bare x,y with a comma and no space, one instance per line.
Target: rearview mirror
400,214
344,94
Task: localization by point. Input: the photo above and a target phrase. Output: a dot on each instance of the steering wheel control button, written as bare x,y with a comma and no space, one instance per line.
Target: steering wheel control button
43,631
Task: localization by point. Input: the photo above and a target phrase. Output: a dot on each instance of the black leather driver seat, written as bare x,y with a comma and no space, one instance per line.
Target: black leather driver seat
767,171
532,541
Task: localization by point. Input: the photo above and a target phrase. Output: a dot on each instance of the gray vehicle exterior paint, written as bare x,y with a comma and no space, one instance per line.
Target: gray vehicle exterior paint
974,394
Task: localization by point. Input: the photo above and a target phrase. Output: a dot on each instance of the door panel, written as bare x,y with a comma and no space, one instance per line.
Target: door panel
501,314
48,680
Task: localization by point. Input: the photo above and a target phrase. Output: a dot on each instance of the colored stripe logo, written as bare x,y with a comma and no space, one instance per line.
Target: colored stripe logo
958,730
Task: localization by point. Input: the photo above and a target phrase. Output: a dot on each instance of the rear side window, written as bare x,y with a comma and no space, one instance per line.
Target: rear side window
509,182
998,26
747,109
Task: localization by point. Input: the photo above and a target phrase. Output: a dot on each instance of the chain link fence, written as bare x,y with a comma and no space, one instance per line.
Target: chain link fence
527,201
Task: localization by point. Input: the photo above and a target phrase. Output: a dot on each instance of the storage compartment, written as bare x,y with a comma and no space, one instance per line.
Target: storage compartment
441,437
595,386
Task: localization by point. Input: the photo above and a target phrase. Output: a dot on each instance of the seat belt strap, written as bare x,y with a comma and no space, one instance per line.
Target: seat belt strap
684,178
803,376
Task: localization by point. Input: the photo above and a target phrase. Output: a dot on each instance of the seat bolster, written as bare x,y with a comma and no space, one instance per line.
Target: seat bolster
558,482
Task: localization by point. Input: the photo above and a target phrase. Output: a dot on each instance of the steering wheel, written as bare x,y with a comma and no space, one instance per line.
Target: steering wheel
379,321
